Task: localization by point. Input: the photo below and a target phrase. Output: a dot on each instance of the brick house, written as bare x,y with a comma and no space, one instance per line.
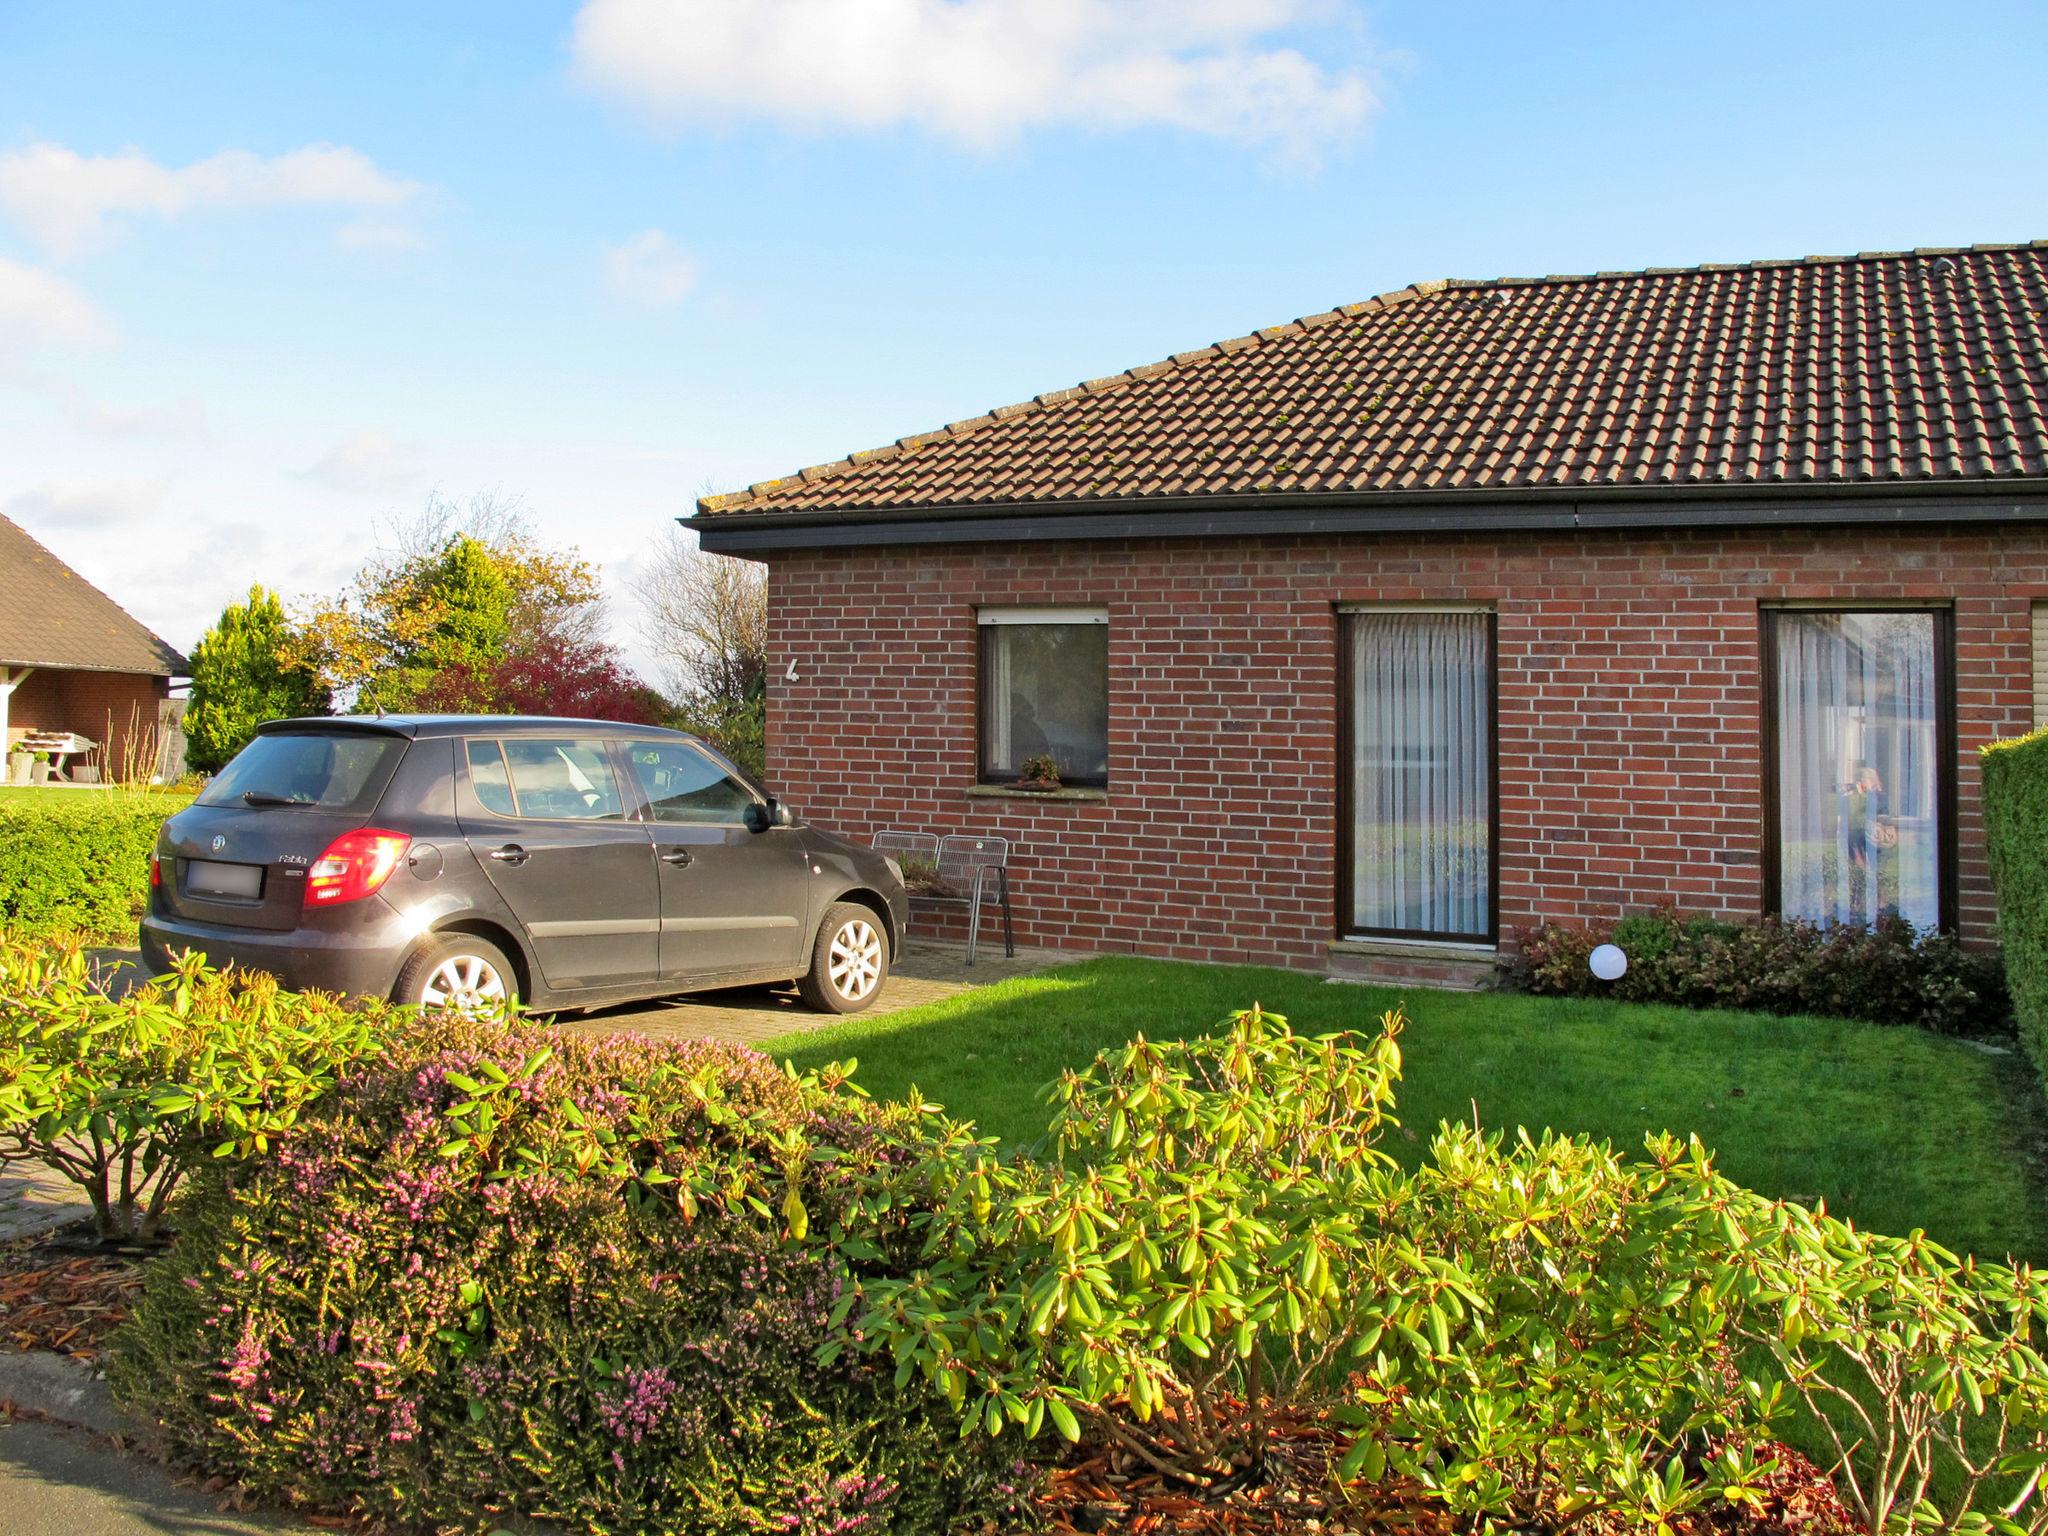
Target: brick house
71,659
1367,640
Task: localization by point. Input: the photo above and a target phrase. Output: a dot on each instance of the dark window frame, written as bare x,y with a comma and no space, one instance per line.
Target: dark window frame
1946,747
1344,907
984,629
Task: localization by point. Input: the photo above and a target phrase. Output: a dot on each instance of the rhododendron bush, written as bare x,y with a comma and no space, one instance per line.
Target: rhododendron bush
513,1272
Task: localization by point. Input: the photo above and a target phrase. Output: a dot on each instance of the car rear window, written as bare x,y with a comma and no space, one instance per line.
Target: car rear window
333,771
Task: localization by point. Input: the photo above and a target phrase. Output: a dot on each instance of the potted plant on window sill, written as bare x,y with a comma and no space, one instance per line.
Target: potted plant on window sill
1039,775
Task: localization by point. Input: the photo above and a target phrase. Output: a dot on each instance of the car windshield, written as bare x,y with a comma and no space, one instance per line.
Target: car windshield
333,771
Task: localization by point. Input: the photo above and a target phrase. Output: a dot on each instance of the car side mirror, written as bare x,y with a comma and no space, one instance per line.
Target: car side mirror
760,817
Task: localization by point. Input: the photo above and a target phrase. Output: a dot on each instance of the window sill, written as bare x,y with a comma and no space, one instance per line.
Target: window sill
1004,792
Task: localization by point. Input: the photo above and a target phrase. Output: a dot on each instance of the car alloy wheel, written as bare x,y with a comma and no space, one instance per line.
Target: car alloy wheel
466,983
856,960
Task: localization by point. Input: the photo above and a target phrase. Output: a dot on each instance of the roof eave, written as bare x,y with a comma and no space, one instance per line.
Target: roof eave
172,665
1225,515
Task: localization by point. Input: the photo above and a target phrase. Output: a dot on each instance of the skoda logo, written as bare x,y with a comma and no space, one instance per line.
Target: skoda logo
219,843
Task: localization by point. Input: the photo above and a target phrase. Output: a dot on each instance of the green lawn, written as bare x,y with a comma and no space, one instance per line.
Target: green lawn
1894,1127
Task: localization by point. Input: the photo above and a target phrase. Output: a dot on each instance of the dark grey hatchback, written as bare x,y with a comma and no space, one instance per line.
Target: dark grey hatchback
451,860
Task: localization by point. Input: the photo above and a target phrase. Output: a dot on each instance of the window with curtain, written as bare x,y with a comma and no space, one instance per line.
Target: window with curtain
1420,716
1857,700
2040,664
1045,692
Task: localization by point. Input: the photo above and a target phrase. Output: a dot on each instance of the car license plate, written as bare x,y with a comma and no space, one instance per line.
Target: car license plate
205,878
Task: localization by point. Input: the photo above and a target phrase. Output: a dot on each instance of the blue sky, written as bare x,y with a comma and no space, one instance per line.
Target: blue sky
269,274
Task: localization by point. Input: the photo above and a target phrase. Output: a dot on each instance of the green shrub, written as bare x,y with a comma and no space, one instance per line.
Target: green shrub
1559,1354
508,1273
2016,829
125,1097
1536,1334
1887,973
1923,1370
78,864
1173,1272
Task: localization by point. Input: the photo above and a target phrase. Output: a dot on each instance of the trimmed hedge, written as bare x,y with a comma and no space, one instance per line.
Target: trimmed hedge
76,865
2016,826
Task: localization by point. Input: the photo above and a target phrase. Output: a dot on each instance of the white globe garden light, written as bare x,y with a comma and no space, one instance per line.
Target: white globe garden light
1608,962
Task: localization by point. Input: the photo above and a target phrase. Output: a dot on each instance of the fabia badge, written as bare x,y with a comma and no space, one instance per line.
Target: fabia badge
219,842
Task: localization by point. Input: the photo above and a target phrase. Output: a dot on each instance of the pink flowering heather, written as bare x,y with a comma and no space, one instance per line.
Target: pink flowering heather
243,1367
634,1406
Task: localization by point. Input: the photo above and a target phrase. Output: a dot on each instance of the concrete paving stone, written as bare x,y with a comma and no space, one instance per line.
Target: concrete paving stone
35,1200
927,971
56,1481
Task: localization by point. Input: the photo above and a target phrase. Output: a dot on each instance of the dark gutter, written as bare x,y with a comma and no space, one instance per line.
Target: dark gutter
1240,516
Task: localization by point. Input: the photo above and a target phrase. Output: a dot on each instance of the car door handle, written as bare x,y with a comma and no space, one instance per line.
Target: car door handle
511,853
676,856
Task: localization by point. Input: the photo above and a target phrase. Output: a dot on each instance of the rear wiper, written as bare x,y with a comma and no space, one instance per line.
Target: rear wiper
260,797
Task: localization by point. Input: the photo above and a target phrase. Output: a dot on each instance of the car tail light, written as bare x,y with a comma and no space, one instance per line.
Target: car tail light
156,871
354,865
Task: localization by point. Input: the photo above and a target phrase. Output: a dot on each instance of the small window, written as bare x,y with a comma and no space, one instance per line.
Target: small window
682,784
488,779
1045,692
2040,665
550,779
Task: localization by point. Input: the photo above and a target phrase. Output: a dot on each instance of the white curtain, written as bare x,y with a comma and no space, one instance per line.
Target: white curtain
1858,767
1421,773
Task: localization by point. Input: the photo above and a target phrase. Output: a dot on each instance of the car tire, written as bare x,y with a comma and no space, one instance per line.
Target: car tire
849,960
457,971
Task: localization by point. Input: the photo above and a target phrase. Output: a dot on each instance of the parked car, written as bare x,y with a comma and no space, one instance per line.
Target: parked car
453,860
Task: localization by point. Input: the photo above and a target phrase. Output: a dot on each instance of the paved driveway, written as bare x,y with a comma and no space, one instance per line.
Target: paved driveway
926,971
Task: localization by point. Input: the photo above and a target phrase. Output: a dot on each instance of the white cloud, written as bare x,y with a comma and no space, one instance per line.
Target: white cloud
378,235
66,200
650,269
169,419
367,464
85,505
38,307
978,72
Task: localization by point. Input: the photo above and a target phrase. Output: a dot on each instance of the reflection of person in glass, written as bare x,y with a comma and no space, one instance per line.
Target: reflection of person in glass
1027,736
1863,804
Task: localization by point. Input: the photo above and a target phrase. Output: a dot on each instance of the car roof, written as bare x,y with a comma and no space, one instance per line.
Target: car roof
413,726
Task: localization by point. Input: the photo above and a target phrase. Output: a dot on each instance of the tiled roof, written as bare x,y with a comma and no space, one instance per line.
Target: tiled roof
1886,368
50,616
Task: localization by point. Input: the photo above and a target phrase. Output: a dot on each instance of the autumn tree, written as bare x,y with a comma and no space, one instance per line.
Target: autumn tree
246,669
706,617
463,589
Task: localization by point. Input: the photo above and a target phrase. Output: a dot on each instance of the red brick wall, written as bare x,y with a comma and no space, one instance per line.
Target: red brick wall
1630,769
54,699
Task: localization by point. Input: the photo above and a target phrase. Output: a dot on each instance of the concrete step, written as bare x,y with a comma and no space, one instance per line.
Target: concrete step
1413,963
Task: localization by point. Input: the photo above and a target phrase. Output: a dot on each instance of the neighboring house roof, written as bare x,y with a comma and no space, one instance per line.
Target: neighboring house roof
50,616
1918,369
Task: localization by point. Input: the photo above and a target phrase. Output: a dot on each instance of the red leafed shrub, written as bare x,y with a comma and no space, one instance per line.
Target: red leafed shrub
551,674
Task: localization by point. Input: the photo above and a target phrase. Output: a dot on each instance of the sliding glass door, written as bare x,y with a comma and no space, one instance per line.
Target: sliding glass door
1419,790
1860,755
